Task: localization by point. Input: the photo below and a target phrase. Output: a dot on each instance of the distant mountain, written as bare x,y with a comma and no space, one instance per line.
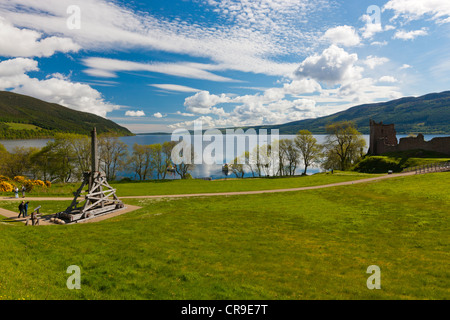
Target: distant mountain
428,114
26,117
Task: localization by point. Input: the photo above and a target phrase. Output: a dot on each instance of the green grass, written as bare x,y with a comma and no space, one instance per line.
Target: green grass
21,126
396,163
314,244
166,187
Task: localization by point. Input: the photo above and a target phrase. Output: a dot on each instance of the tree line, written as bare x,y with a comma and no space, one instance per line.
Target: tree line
68,156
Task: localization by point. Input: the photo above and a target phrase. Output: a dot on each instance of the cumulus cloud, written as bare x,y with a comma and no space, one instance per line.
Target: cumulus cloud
372,61
138,113
342,35
203,102
387,79
29,43
333,66
158,115
56,89
410,35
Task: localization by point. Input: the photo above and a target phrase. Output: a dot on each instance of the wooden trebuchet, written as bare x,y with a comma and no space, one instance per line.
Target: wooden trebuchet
100,199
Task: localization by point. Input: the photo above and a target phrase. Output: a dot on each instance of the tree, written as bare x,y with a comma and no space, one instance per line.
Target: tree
157,160
344,146
167,148
183,156
140,161
309,149
237,167
113,153
289,157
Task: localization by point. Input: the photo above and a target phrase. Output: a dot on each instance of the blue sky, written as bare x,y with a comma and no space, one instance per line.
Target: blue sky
156,66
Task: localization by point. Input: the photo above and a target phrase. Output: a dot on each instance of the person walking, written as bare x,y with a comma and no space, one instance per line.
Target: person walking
16,191
21,209
23,191
25,209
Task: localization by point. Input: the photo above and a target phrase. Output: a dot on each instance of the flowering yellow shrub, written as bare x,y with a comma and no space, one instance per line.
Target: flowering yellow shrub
6,187
48,184
39,183
20,179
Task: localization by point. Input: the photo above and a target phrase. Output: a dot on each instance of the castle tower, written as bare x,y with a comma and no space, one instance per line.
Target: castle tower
383,138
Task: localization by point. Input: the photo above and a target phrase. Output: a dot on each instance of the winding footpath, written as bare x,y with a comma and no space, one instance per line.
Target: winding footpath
13,215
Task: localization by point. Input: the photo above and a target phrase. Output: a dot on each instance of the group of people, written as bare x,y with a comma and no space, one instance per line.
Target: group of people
23,209
16,191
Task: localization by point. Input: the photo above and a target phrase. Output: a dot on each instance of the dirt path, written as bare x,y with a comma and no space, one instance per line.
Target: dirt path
235,193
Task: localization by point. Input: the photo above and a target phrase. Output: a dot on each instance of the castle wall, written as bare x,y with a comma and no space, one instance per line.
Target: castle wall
440,144
383,138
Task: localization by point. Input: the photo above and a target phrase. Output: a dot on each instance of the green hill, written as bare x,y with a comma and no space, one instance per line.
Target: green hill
429,114
26,117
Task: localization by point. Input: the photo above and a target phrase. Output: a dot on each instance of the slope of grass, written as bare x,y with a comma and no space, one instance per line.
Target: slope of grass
313,244
19,112
399,161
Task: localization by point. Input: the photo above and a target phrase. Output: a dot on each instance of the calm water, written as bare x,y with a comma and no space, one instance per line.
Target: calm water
200,171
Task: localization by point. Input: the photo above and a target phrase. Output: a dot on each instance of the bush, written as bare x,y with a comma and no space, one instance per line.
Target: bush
48,184
378,164
20,179
6,186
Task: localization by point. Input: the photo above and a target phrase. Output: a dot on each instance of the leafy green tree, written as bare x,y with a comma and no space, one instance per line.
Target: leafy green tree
344,146
309,149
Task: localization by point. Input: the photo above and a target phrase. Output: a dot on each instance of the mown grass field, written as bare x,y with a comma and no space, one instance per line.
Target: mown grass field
314,244
165,187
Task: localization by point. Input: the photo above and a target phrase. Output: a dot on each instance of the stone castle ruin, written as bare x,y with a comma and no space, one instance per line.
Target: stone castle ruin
383,138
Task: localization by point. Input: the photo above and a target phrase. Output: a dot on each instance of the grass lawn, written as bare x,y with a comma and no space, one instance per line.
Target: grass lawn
314,244
21,126
163,187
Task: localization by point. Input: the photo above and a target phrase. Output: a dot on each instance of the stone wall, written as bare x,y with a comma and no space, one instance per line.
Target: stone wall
383,138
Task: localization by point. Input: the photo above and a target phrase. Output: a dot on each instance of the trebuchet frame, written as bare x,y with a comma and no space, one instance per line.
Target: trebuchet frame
100,199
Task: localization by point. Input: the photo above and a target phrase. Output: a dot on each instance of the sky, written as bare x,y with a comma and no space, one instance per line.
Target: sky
156,66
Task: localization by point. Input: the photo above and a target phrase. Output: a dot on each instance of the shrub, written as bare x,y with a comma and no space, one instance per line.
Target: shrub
4,178
20,179
48,184
6,187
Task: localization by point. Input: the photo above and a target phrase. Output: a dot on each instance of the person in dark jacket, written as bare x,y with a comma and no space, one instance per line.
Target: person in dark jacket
25,208
22,209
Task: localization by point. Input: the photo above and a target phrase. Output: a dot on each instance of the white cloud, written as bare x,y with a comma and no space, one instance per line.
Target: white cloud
438,10
405,66
203,102
379,43
174,87
333,66
77,96
372,61
259,32
410,35
103,67
138,113
388,79
29,43
342,35
158,115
